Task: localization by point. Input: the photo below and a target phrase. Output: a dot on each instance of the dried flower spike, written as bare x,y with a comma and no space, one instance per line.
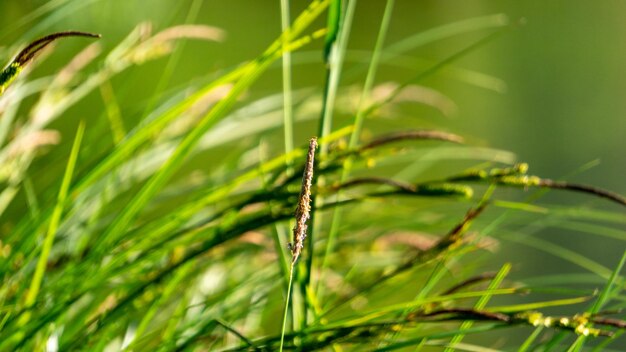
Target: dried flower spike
303,210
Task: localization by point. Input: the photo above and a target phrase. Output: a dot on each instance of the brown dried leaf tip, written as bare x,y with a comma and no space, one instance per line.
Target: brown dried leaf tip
303,210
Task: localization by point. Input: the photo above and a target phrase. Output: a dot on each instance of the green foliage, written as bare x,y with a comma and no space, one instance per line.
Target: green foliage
167,231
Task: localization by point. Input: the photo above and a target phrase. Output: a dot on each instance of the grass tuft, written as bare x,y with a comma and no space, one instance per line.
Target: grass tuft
163,226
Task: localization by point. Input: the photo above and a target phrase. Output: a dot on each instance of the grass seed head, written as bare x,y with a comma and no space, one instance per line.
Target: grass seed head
303,209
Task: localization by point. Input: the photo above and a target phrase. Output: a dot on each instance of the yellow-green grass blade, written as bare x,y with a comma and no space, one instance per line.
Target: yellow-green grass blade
40,270
480,305
251,72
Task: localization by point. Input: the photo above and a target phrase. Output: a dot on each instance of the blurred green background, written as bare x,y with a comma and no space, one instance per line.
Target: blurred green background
563,67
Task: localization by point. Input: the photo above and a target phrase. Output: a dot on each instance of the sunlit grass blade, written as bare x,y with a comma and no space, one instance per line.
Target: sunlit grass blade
251,73
42,262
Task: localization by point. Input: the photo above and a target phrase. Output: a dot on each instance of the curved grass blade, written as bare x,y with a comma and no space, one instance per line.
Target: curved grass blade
10,73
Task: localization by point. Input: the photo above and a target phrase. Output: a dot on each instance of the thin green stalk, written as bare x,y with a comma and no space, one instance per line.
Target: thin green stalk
288,124
529,341
354,137
287,96
40,270
335,66
287,300
336,57
371,74
174,162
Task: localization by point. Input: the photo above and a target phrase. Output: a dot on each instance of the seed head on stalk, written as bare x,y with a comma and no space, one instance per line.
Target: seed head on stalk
303,209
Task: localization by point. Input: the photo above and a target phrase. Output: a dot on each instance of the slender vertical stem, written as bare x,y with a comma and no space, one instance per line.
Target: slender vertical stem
287,299
358,123
287,98
371,74
55,221
336,56
335,65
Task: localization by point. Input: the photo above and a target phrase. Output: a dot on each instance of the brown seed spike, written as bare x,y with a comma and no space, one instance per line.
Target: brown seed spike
303,209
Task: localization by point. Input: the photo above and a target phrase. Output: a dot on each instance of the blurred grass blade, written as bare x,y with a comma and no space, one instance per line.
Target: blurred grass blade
538,305
559,251
529,341
447,31
334,15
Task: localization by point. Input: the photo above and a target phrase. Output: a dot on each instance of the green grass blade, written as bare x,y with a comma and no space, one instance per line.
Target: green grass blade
287,90
447,31
251,73
529,341
354,137
539,305
334,70
334,16
604,297
561,252
371,74
480,305
336,54
40,270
